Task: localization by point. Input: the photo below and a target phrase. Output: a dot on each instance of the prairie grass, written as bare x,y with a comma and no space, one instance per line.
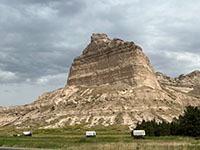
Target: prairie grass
109,138
112,142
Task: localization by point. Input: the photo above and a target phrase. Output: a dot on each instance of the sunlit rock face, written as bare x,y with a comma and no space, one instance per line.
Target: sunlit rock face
106,61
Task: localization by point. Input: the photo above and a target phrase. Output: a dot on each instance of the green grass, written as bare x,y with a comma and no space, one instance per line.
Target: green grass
101,142
80,130
108,138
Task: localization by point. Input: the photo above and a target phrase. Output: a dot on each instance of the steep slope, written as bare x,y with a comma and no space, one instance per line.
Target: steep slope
190,80
188,84
106,61
112,82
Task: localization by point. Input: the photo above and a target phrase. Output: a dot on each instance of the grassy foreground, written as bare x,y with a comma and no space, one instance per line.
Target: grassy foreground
101,143
111,138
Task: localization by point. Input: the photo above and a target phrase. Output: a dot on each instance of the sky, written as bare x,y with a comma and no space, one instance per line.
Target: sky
40,39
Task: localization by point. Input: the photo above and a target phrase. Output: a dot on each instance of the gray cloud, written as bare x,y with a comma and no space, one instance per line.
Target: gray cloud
40,38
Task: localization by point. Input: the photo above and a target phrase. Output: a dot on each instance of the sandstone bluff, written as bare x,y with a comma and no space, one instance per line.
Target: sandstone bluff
112,82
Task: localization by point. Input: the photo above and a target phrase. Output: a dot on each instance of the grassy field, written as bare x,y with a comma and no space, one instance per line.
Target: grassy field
110,138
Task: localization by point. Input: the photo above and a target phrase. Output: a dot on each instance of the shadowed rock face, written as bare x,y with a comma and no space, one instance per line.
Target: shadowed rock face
106,61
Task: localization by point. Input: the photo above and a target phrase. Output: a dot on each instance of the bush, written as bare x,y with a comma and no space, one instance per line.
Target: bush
187,125
152,128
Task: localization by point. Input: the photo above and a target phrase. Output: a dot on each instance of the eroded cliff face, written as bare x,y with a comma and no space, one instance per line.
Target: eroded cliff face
190,80
106,61
189,83
112,82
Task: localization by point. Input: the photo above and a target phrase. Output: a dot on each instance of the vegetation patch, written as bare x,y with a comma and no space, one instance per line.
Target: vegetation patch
186,125
113,142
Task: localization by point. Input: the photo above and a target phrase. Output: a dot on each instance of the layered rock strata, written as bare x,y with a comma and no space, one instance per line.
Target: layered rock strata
189,83
189,80
106,61
112,82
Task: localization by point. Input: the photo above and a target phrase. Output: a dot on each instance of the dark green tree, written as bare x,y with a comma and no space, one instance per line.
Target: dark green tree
165,128
152,128
147,126
190,122
175,127
187,124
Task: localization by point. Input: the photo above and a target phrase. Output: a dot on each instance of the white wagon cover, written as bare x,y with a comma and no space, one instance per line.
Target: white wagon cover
90,133
27,132
138,132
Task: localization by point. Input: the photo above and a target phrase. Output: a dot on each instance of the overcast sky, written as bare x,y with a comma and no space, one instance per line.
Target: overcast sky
40,39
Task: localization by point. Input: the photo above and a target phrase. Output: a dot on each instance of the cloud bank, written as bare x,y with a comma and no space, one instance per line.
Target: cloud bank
40,38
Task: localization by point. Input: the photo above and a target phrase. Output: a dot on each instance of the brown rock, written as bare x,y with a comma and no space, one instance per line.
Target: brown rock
106,61
189,80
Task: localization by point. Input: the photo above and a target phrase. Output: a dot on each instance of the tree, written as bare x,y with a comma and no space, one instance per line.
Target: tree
187,124
190,122
152,128
164,128
175,127
147,126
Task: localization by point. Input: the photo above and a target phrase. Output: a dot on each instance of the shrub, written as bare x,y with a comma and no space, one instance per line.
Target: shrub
187,125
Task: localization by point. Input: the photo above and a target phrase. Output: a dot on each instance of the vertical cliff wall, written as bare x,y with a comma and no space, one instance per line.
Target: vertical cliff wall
106,61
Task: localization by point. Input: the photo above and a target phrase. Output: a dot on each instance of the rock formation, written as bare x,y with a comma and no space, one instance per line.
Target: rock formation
112,82
190,80
106,61
189,83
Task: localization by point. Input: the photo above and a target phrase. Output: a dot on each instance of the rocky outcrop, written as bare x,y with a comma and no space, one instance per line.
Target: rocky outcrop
2,108
106,61
189,83
112,82
190,80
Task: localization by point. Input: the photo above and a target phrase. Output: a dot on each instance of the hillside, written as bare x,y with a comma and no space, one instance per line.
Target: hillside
112,82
